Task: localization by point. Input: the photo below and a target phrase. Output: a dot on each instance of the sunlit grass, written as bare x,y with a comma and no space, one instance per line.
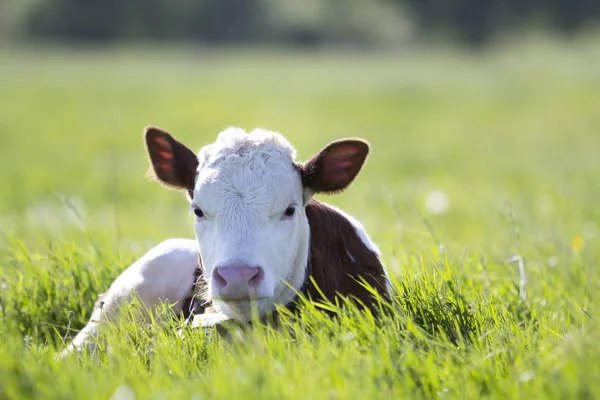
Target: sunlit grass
481,189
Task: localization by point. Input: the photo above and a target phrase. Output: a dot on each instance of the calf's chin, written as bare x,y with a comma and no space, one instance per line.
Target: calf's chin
245,310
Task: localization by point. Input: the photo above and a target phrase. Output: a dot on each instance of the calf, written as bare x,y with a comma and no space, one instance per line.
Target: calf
260,235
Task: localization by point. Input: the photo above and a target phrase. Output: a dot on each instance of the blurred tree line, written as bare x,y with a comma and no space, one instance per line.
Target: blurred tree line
289,22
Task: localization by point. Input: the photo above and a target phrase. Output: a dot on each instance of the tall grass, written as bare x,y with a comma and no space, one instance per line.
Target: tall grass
481,190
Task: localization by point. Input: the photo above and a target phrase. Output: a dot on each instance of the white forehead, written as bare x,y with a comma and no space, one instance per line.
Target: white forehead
258,165
235,144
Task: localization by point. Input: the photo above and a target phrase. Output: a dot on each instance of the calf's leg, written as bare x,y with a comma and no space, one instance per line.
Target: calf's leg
166,273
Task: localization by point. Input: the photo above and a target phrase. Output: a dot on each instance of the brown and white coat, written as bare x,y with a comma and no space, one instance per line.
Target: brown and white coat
259,232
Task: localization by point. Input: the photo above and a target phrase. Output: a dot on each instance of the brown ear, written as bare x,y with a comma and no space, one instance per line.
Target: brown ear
171,162
335,167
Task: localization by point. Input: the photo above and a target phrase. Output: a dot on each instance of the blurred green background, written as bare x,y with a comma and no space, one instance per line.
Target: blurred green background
486,107
486,141
307,23
483,118
503,136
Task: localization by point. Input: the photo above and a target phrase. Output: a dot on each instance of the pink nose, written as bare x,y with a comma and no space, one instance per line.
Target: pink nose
237,282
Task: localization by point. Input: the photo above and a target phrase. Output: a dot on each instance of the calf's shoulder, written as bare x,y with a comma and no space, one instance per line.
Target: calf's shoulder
342,255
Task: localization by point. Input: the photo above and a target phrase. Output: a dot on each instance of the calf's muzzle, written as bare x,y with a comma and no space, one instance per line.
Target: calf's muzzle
237,282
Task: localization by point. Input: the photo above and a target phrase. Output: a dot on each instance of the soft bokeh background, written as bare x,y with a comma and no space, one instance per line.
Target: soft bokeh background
482,187
482,114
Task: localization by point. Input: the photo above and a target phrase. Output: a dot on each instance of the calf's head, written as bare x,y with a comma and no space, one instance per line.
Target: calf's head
248,197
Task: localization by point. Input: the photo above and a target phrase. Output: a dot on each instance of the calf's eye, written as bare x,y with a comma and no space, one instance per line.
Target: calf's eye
198,212
289,211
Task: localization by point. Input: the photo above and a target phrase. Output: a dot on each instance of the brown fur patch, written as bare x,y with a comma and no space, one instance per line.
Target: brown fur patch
332,237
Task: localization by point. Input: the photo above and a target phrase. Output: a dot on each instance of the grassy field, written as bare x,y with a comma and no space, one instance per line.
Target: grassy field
478,162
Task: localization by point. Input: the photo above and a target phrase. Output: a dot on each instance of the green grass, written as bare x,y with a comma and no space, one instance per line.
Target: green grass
510,136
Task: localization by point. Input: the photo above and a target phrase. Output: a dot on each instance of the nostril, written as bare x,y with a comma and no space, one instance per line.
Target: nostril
218,278
257,278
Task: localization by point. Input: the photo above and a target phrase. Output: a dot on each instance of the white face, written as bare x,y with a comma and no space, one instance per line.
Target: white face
248,198
250,222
